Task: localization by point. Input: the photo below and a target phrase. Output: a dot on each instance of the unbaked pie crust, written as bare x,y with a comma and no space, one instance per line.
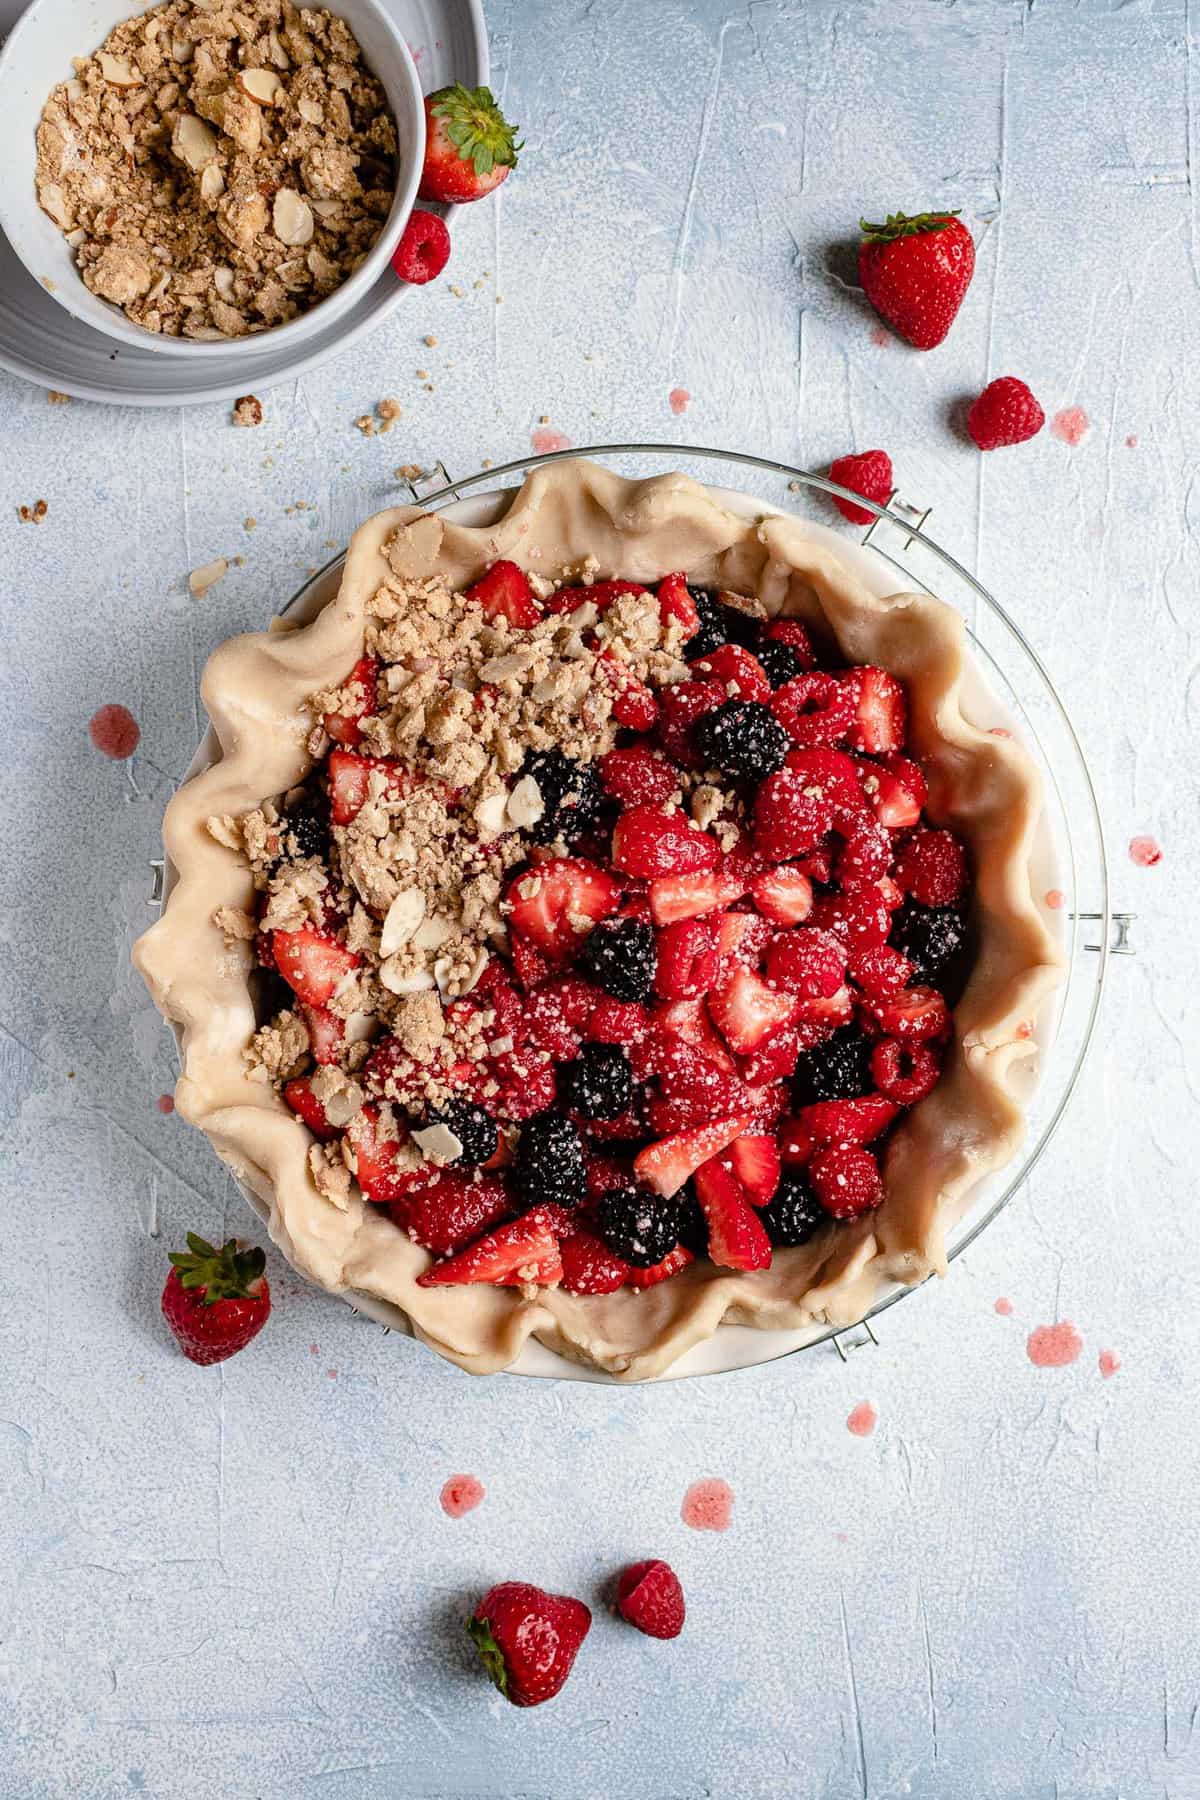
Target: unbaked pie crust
983,786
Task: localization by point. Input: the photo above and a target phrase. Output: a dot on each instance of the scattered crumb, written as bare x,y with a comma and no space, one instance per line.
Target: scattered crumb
366,424
387,411
409,472
248,410
422,374
33,515
543,418
251,523
207,576
429,341
794,487
456,290
487,462
56,399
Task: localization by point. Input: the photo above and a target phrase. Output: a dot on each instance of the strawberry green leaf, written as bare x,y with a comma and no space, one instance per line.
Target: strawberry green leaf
898,225
490,1653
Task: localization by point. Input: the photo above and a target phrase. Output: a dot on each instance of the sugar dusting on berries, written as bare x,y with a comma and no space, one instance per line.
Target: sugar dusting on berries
1109,1363
1070,426
165,1103
1144,851
862,1419
1055,899
708,1505
1053,1346
679,400
544,439
114,731
461,1494
1004,1307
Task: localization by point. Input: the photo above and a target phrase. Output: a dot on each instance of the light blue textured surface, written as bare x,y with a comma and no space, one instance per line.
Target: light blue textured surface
239,1582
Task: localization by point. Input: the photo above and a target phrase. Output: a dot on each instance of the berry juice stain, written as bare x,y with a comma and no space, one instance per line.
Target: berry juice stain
1070,426
862,1421
1055,899
461,1494
166,1103
708,1505
544,439
1004,1307
1109,1362
1144,851
679,400
1053,1346
115,732
1131,442
879,336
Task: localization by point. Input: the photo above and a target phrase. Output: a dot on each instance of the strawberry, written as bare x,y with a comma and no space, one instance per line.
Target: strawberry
528,1639
880,970
916,271
1005,413
215,1301
904,1072
529,965
808,962
818,1016
326,1033
469,145
674,897
375,1159
689,1020
881,722
672,1262
814,709
846,1121
914,1014
649,842
796,636
747,1012
634,706
679,706
688,959
589,1266
299,1095
650,1597
783,894
868,473
617,1022
892,797
312,962
544,903
600,594
685,1072
523,1252
504,593
424,248
636,775
350,777
755,1160
932,867
740,674
345,727
741,940
675,602
666,1166
845,1179
774,1060
791,816
451,1209
737,1238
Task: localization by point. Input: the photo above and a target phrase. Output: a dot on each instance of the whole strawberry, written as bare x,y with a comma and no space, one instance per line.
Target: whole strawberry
215,1301
916,271
650,1597
1005,413
469,144
528,1639
869,473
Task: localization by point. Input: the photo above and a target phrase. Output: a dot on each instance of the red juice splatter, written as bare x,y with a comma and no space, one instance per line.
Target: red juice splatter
708,1505
314,1349
1144,851
1004,1307
999,731
332,1374
461,1494
1131,442
679,400
165,1103
546,438
1053,1346
879,336
1109,1363
1025,1029
115,732
1055,899
1070,426
862,1420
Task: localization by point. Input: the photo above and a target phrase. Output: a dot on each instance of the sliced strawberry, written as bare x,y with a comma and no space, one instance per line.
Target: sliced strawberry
792,633
846,1121
881,713
880,970
688,959
747,1012
634,706
546,902
375,1160
675,602
814,709
304,1103
912,1015
350,779
755,1162
326,1033
908,773
818,1016
891,799
675,897
558,1013
601,595
741,940
617,1022
680,705
312,963
791,816
524,1251
807,962
451,1210
672,1262
345,727
667,1165
740,674
774,1060
529,965
689,1020
783,894
652,843
685,1072
504,593
768,1102
637,776
589,1266
737,1238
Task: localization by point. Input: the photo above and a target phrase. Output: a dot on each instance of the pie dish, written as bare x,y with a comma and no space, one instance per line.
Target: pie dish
577,524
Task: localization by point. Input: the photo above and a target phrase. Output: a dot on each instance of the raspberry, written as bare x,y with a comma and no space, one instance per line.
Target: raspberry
860,919
868,473
866,856
791,816
688,959
814,709
743,739
795,635
649,842
740,674
808,962
617,1022
636,776
904,1072
650,1597
845,1179
880,970
557,1015
424,248
1005,413
932,867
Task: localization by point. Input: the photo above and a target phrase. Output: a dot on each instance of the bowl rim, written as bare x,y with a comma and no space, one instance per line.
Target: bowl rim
111,321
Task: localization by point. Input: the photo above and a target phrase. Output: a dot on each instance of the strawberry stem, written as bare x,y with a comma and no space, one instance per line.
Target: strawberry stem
225,1274
899,225
476,127
490,1653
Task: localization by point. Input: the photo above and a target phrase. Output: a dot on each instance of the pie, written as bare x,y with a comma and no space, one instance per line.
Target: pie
605,924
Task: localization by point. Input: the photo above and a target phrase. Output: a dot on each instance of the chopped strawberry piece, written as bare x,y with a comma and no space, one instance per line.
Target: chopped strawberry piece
529,965
881,712
680,705
689,1020
617,1022
312,963
304,1103
808,962
791,816
601,595
545,903
904,1072
685,1072
814,709
862,919
451,1210
932,867
350,781
688,959
589,1266
913,1015
866,855
674,897
768,1102
747,1012
792,633
345,727
891,797
667,1165
845,1179
755,1162
672,1262
880,970
774,1060
846,1121
740,674
737,1238
326,1033
783,894
819,1016
634,706
637,776
504,593
741,940
375,1159
908,774
651,843
795,1145
675,602
524,1251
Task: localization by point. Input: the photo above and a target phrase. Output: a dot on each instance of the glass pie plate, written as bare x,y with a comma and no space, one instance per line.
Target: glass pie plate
1008,690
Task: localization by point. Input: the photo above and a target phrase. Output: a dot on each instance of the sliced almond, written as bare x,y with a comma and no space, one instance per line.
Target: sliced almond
118,72
292,217
477,968
310,110
525,804
279,55
438,1142
200,580
360,1026
432,933
398,979
490,813
344,1105
212,182
223,279
404,915
262,85
193,142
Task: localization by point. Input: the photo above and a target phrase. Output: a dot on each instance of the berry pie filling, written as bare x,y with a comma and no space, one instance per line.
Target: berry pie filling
607,932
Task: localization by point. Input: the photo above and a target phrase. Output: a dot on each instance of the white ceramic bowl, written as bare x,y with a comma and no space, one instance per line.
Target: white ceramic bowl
37,55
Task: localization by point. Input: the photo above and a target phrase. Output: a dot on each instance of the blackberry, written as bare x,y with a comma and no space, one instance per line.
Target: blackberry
712,633
475,1130
795,1214
549,1166
639,1225
743,739
305,832
693,1226
780,662
620,957
934,939
599,1083
571,795
838,1069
